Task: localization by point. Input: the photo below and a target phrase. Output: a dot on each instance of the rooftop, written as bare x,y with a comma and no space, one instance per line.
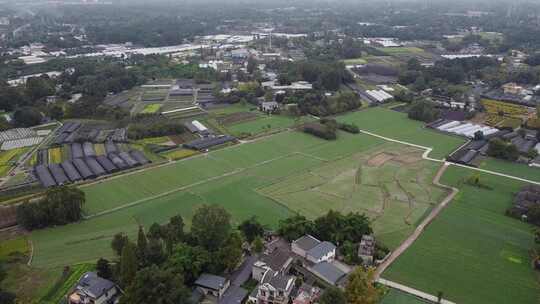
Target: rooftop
321,250
307,242
211,281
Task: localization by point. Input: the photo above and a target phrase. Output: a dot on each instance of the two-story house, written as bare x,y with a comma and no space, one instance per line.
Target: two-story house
92,289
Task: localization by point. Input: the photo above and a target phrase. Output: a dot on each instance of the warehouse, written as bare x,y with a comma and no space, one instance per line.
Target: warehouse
58,174
70,171
83,169
208,142
106,164
44,176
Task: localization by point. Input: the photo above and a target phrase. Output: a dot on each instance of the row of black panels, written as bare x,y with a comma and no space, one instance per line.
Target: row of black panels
88,168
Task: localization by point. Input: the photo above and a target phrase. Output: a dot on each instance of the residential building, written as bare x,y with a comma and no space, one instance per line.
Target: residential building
328,272
92,289
278,260
512,88
275,288
307,294
366,249
313,250
212,285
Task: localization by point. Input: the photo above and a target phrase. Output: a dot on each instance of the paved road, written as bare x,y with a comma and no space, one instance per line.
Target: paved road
413,291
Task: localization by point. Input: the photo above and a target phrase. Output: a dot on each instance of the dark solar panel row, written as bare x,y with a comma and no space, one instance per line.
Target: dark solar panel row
58,174
76,151
88,149
88,167
208,142
110,147
44,176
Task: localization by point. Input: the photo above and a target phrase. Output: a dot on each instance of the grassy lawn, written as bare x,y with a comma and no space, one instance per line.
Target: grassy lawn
472,252
396,125
397,297
511,168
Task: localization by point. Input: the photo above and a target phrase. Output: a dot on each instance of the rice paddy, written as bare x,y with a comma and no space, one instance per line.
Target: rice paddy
473,252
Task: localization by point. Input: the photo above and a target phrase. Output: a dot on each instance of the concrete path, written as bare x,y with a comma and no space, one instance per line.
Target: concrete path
409,290
428,150
414,236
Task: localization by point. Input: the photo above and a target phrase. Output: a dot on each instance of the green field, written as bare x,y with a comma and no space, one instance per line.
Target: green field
472,252
264,124
401,50
396,125
62,286
228,177
389,183
397,297
151,108
511,168
354,61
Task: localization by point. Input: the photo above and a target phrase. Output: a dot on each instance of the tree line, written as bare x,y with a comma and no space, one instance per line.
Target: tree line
60,206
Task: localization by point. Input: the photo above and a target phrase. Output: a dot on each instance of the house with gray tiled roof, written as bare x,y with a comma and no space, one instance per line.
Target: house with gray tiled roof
213,285
93,289
313,250
275,288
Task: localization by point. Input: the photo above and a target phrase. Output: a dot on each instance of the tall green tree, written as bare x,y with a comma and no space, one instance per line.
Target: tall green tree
231,253
128,264
154,285
360,288
103,269
188,261
333,295
118,242
211,226
142,246
251,229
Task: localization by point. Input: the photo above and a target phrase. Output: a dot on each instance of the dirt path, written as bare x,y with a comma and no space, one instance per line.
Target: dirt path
418,231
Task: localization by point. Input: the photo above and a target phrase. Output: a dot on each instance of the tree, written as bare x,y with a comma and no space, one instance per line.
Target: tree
294,227
142,246
423,111
154,285
5,296
188,261
128,264
211,226
251,229
333,295
257,245
27,117
118,242
155,231
231,253
360,288
251,65
39,87
103,269
154,252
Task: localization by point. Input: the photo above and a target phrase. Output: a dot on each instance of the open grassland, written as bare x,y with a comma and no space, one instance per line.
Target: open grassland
151,108
511,168
472,252
398,126
264,124
228,177
9,247
354,61
390,183
397,297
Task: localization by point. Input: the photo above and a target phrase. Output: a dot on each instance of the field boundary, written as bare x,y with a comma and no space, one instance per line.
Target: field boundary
412,291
